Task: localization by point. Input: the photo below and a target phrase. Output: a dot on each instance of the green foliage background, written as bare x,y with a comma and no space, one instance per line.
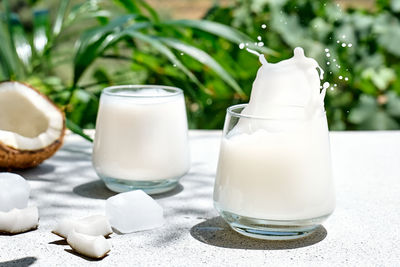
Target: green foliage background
72,51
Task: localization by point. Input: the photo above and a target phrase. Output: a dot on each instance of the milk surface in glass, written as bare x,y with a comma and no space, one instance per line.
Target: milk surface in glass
274,160
141,135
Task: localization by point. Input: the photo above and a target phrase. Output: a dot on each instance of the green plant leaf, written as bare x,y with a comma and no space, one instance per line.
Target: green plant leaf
85,10
164,50
129,5
21,43
11,65
393,104
379,120
94,41
205,59
76,129
41,24
220,30
365,108
61,12
153,13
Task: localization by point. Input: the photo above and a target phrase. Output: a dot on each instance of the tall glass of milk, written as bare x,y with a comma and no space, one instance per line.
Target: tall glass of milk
274,178
141,139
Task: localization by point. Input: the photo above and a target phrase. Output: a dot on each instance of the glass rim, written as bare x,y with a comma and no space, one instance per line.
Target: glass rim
109,91
231,111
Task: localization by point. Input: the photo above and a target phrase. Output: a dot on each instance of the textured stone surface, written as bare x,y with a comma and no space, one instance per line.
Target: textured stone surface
364,230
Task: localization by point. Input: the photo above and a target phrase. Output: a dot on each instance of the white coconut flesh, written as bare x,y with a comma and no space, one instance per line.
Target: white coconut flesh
28,120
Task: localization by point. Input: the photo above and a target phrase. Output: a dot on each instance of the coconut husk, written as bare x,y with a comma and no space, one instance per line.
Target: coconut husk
13,159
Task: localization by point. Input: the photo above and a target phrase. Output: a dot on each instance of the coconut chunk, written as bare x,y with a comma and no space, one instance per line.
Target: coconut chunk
93,225
88,245
19,220
31,126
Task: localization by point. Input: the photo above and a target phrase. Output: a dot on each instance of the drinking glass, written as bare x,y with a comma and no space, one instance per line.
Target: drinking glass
141,139
274,178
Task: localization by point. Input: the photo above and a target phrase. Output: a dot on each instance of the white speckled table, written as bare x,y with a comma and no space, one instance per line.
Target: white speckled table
363,231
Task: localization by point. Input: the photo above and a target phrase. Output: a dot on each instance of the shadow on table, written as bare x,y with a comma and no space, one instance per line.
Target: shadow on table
216,232
23,262
98,190
82,256
33,173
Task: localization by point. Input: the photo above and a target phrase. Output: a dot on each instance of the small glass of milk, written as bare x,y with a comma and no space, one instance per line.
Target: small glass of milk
141,139
274,178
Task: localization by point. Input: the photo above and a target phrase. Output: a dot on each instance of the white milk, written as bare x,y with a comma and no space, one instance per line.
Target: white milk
279,168
141,138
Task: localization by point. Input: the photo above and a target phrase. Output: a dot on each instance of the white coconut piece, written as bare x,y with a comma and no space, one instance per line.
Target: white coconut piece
14,191
19,220
88,245
93,225
31,126
134,211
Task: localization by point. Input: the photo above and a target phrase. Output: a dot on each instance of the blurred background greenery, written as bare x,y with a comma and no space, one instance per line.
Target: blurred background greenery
72,49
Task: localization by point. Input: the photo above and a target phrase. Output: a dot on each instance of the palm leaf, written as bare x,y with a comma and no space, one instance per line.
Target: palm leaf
61,12
85,10
41,23
152,11
76,129
11,66
93,43
21,43
220,30
129,5
164,50
205,59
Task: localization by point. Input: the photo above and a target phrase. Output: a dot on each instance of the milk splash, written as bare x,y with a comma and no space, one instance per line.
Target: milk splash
274,159
280,90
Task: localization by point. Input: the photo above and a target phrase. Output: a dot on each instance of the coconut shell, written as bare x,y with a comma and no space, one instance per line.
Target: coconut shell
12,158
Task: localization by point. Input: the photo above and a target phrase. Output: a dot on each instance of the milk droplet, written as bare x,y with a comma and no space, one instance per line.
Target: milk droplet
334,60
326,50
332,88
344,36
263,26
241,45
346,78
335,85
325,85
328,63
350,45
343,44
340,77
247,44
328,54
182,54
174,65
259,38
260,44
337,41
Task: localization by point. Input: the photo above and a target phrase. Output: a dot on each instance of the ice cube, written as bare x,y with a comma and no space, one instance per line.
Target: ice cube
14,191
134,211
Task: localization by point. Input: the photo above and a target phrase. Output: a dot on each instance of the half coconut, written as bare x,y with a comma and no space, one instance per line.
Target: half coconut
32,128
